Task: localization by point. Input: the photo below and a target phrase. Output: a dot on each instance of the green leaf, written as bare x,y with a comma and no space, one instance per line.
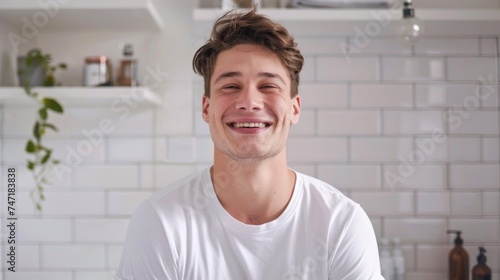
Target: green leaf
55,161
43,113
51,126
42,197
38,207
50,81
46,157
30,147
42,148
30,165
52,104
63,65
28,61
36,131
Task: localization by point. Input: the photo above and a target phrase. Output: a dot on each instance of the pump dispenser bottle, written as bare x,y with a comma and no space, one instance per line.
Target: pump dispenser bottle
458,259
481,271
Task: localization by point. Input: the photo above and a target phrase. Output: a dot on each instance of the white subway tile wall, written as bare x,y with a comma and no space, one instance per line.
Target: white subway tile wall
413,68
412,134
448,46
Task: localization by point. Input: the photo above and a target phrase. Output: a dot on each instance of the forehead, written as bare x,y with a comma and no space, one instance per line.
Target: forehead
250,57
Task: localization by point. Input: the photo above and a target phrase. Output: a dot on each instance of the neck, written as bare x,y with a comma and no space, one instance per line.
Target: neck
253,193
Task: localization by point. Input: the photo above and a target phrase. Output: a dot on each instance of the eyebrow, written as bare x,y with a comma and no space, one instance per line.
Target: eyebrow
239,74
228,75
271,75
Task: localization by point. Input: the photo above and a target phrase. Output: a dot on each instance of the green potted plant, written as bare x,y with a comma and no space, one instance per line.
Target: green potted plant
36,69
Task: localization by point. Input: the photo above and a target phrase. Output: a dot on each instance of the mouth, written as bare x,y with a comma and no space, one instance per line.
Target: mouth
249,124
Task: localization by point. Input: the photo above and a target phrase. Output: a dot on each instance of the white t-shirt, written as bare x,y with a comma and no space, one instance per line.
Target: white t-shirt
183,232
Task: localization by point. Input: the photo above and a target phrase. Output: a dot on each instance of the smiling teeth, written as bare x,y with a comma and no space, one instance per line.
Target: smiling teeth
259,125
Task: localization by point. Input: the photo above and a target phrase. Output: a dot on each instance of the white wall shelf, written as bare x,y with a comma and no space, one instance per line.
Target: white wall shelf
77,15
342,21
83,95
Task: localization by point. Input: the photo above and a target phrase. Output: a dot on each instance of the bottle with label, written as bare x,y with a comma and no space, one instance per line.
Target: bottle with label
128,76
458,259
481,271
97,71
398,260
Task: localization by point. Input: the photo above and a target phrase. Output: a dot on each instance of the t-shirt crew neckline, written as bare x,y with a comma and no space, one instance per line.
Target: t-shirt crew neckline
239,226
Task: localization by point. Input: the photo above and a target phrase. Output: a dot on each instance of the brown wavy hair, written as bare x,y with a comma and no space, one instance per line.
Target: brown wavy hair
248,28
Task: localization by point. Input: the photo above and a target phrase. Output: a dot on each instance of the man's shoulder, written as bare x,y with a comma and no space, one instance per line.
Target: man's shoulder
181,191
323,193
310,183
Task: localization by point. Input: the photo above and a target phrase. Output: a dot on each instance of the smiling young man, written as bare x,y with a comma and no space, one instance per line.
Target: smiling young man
249,216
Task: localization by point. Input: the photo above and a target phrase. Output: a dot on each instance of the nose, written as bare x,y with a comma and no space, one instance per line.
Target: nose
249,99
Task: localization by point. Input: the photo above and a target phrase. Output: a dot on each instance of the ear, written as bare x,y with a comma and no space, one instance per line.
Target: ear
295,109
204,107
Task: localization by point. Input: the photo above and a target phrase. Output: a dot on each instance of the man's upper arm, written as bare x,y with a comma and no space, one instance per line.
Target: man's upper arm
357,255
147,253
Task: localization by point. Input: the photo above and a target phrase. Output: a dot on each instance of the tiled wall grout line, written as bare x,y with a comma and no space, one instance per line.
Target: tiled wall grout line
316,122
381,77
480,46
106,203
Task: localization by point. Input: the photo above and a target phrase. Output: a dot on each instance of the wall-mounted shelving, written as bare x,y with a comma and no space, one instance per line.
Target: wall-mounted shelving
83,95
473,22
67,15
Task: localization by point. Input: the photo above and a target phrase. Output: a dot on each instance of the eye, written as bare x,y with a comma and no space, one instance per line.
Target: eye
230,87
269,87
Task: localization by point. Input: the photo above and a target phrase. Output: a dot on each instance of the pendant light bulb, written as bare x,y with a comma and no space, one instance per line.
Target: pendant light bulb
409,29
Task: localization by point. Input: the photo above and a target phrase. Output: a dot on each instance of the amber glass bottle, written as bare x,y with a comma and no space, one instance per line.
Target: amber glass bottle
481,271
127,76
458,259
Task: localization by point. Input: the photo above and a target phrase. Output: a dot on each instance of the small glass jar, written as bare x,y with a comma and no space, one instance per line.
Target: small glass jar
97,71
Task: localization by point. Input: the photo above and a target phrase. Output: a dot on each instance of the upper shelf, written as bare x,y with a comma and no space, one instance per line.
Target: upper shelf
343,21
84,95
116,15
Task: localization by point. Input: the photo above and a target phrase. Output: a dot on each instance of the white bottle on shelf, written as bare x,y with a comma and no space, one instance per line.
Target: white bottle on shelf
398,260
386,262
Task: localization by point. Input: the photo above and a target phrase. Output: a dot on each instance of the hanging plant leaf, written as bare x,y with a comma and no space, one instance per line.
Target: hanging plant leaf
51,126
43,113
46,157
30,147
30,165
52,104
36,131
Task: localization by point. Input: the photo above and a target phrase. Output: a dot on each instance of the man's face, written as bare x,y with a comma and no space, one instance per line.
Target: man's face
250,108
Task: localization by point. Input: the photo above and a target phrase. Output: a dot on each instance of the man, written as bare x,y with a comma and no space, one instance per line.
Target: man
249,216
